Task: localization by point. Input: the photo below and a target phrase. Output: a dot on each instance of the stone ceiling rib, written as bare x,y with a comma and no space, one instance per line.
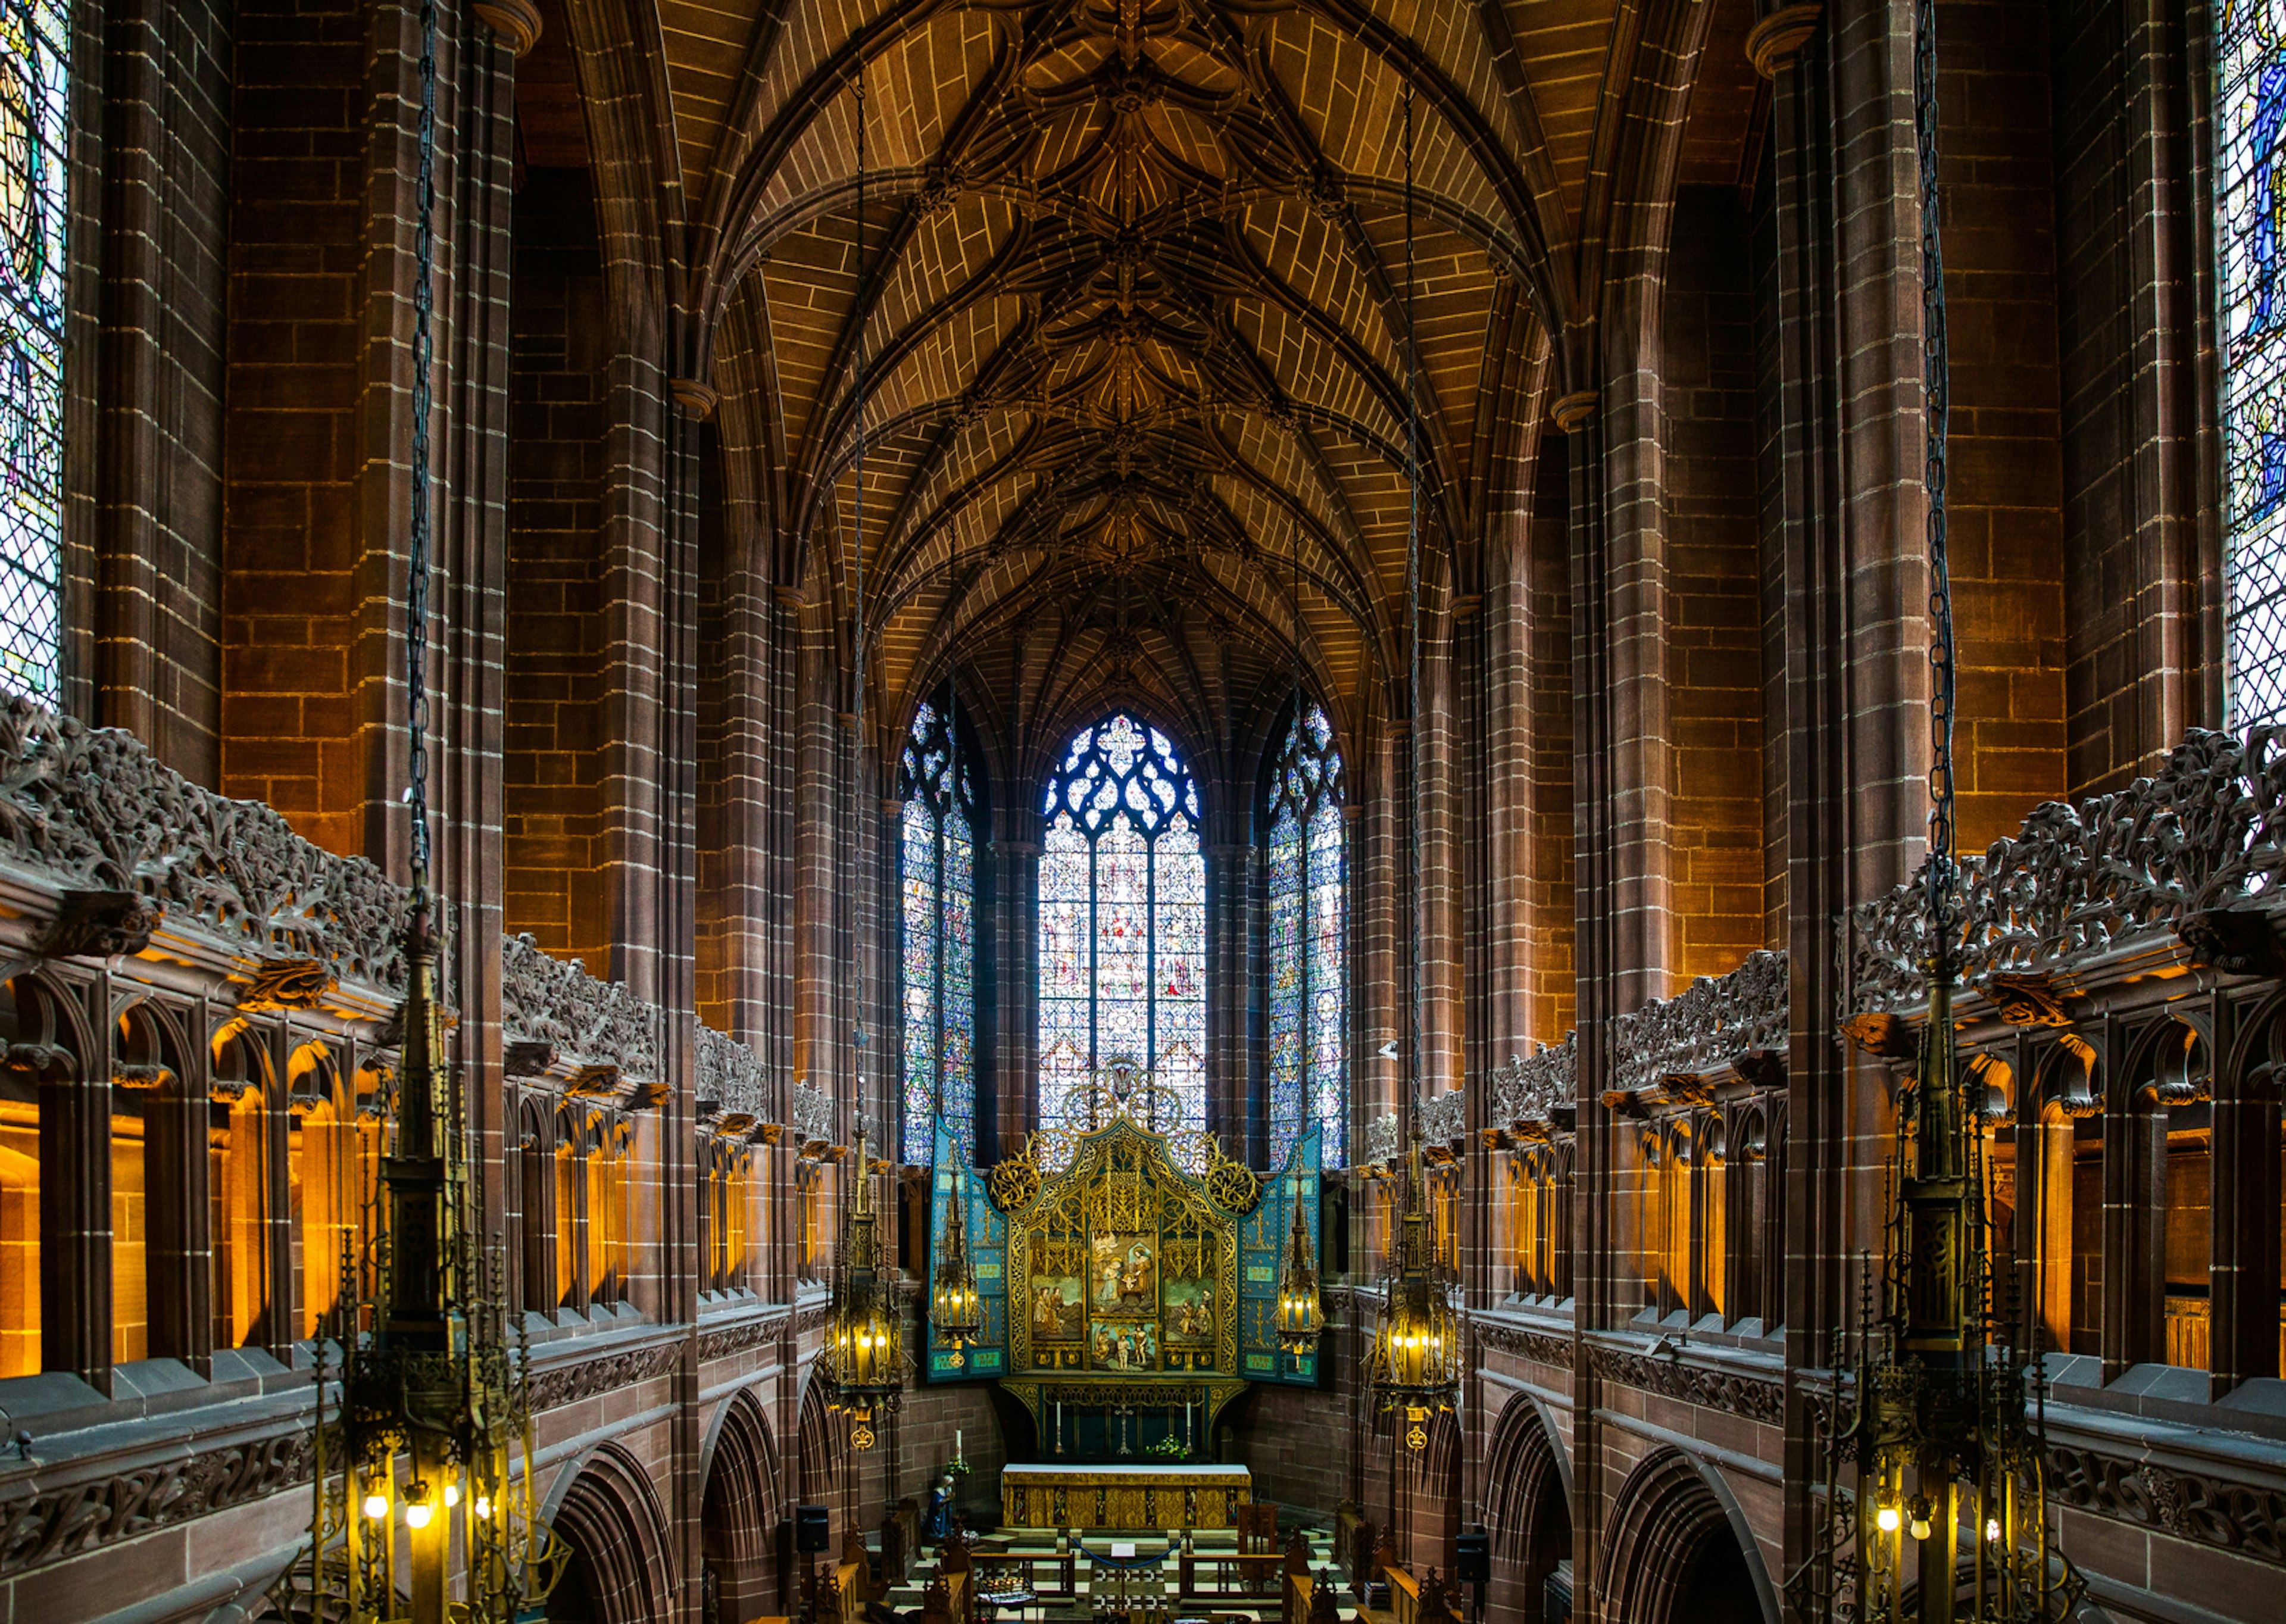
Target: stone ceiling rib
1134,320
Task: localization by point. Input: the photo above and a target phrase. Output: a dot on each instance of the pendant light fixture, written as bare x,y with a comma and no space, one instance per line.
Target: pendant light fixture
865,1343
956,1309
1936,1463
422,1470
1415,1364
865,1355
1300,1315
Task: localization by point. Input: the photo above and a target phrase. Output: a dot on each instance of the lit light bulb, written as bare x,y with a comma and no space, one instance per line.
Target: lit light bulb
1993,1530
452,1495
376,1505
1886,1519
416,1515
1921,1529
482,1508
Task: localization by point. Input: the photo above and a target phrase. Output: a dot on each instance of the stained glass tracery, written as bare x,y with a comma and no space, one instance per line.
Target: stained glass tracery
937,890
1308,903
2251,183
35,129
1123,926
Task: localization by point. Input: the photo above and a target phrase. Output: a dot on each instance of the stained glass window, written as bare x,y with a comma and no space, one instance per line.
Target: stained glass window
1309,907
1122,917
937,885
34,125
2250,125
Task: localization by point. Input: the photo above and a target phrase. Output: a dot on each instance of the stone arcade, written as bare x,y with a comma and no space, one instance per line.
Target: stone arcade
1201,623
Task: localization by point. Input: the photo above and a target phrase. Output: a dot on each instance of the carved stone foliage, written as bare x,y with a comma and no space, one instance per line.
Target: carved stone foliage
1751,1397
555,1002
1525,1345
2244,1518
1531,1090
2184,851
732,1081
48,1525
740,1339
1724,1023
569,1382
87,810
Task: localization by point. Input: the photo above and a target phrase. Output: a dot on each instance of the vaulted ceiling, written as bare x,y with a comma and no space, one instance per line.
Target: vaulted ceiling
1112,317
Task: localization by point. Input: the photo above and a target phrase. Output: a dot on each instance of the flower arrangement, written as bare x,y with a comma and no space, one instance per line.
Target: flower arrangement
1173,1447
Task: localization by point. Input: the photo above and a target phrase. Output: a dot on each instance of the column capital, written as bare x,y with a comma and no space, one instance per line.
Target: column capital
1571,412
1773,43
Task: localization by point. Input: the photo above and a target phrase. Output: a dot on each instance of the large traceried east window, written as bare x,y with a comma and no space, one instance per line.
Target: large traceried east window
1308,903
34,132
2251,179
937,863
1122,919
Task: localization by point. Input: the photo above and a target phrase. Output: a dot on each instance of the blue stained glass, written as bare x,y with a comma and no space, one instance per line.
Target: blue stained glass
937,883
1307,897
1121,917
35,128
2250,181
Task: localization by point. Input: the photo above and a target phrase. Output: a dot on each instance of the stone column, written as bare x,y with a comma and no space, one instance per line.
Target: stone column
1016,1012
1234,908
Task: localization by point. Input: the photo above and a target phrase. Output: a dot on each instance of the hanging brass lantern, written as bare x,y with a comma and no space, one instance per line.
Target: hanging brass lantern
864,1350
1415,1365
1300,1318
956,1309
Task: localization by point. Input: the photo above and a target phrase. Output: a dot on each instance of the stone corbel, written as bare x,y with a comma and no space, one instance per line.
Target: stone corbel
594,1082
100,925
1884,1035
2235,940
286,983
527,1057
644,1096
1762,1067
42,1063
2030,1000
141,1079
1625,1102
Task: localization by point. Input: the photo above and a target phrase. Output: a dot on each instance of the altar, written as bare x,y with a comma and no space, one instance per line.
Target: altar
1101,1495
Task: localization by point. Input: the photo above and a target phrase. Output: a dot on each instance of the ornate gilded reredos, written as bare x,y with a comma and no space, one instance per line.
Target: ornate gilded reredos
1123,1179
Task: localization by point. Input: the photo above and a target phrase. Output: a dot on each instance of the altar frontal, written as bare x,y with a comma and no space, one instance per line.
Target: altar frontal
1129,1274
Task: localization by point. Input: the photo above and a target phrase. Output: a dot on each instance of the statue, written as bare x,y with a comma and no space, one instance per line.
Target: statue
936,1523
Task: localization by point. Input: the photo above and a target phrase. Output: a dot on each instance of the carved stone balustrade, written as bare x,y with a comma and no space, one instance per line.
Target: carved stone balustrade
560,1021
113,849
2187,862
733,1084
1444,1119
813,1114
1533,1097
1720,1026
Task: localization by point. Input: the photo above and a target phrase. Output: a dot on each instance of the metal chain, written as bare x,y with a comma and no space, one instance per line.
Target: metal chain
416,564
1413,607
858,589
1943,871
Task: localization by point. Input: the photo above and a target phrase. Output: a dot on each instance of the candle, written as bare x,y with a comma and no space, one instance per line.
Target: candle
956,1455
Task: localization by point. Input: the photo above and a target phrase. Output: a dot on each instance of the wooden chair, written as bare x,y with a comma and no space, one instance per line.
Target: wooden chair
1257,1529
